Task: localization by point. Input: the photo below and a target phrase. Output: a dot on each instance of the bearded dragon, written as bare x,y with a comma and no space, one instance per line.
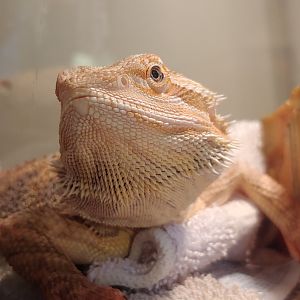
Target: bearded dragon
140,146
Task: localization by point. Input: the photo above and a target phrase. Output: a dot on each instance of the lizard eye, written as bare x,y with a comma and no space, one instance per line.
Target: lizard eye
156,74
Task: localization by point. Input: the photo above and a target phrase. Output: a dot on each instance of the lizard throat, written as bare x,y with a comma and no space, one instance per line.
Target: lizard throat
143,186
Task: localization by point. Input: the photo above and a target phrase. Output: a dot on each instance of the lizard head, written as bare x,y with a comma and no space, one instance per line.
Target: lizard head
136,134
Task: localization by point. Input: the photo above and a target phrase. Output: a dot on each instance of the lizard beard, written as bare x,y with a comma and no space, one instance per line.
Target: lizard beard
143,183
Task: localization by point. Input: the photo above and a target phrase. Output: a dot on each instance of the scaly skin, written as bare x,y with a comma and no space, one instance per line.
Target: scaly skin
139,144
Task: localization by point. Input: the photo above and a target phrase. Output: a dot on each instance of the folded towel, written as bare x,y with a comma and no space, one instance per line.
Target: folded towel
161,256
167,262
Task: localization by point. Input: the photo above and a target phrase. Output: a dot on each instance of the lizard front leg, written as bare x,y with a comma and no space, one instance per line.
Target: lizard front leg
273,199
41,246
265,192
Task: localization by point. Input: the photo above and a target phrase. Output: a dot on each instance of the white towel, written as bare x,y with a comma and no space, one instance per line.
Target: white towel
168,262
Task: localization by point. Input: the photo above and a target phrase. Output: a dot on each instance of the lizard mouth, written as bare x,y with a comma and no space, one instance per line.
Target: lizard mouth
145,113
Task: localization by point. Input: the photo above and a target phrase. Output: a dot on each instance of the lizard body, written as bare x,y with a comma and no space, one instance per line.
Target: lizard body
139,145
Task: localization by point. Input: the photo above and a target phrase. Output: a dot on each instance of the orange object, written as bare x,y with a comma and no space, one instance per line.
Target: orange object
282,144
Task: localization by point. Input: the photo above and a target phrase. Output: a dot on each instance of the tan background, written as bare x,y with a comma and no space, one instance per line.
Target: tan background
247,50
